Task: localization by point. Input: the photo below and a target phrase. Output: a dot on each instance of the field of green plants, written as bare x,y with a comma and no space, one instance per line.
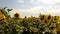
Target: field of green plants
44,24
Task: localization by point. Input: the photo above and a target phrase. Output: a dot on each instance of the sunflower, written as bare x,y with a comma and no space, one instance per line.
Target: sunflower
2,16
38,20
16,15
58,20
25,19
56,17
48,18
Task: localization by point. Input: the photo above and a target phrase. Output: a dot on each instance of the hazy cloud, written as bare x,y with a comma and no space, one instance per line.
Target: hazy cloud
20,1
45,1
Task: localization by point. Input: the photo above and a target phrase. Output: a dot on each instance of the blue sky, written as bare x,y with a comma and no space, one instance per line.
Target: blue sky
16,4
32,7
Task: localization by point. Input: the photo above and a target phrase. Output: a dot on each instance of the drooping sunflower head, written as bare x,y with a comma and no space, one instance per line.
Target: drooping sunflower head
16,15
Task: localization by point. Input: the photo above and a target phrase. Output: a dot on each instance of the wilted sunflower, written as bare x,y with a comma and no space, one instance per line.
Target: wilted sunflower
16,15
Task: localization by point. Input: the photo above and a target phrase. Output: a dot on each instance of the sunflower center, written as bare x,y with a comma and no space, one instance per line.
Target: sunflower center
49,17
16,15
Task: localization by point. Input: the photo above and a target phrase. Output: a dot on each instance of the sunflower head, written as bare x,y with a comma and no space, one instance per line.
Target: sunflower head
55,17
2,16
16,15
48,17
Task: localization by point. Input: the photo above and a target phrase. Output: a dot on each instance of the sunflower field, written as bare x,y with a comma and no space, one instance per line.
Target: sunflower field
44,24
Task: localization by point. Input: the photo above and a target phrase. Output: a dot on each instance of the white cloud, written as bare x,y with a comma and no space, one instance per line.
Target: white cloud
28,12
45,1
50,1
36,10
20,1
35,1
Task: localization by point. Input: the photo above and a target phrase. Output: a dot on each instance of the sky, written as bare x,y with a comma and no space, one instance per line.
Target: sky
32,7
